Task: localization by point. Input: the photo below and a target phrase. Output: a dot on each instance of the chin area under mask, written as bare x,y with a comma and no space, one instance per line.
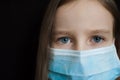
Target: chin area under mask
95,64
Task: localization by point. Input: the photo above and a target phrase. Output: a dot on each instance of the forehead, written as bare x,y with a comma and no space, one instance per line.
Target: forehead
83,13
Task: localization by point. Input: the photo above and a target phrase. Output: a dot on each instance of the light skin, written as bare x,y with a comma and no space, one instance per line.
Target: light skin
82,25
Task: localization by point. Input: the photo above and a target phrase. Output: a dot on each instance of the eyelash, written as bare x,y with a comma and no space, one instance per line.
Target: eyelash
61,38
99,39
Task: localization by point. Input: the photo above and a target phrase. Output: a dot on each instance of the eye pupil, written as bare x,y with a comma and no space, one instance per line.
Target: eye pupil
97,39
64,40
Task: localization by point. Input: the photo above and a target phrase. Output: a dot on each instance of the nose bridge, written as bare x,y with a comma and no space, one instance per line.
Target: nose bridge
81,44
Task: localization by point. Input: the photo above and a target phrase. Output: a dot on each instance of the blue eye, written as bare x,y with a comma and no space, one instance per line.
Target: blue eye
64,40
97,39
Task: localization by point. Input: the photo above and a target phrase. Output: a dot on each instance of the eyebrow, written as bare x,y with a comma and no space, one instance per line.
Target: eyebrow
62,33
99,31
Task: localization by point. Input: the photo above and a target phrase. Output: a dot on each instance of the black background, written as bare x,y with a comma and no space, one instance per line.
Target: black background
19,31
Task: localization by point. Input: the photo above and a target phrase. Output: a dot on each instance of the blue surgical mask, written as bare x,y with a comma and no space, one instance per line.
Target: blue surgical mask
96,64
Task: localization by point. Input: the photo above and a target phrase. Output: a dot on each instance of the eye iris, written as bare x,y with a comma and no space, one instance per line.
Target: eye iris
64,40
97,39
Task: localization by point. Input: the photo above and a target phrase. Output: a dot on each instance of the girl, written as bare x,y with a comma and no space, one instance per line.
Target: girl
78,41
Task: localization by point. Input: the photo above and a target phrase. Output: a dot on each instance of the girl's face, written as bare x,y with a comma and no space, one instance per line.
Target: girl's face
82,25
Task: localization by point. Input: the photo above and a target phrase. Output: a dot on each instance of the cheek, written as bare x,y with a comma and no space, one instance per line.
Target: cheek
59,46
110,40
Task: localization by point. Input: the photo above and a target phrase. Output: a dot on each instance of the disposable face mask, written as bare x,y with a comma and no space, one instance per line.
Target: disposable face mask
95,64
